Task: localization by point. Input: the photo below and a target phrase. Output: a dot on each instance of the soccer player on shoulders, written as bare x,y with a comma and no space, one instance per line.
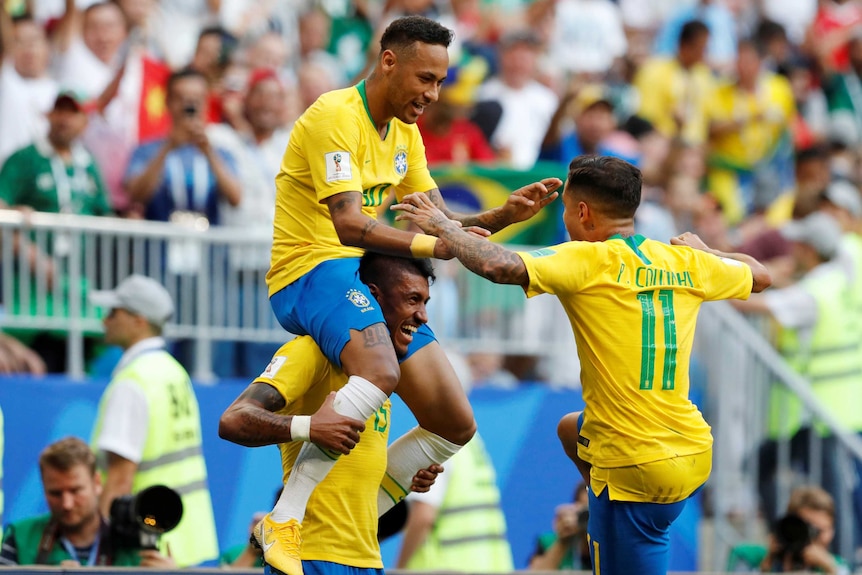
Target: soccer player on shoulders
340,527
632,303
345,154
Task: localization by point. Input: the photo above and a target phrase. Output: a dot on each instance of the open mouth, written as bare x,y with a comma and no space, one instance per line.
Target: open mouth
408,331
418,108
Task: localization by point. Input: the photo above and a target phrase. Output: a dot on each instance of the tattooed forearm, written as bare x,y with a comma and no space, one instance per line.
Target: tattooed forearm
375,335
492,220
485,258
251,420
367,229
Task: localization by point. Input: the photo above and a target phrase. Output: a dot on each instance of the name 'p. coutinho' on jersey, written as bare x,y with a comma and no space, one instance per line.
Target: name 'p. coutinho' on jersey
633,305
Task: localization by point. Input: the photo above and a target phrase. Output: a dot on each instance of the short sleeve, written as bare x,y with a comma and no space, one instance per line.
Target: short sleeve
333,151
723,278
556,270
125,422
295,367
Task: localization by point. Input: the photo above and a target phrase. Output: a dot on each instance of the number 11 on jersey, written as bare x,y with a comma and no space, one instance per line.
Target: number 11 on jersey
648,343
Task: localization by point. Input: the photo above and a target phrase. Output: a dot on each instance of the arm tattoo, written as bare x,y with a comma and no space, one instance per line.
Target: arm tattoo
341,202
265,395
486,258
367,229
375,335
492,220
252,420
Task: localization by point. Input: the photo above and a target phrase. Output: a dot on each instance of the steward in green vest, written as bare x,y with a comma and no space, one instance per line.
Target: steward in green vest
469,530
74,532
148,430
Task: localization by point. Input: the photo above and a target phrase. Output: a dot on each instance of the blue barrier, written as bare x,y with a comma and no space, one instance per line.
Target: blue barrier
519,429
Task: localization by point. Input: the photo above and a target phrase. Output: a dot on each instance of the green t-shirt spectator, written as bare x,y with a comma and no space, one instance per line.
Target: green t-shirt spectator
36,177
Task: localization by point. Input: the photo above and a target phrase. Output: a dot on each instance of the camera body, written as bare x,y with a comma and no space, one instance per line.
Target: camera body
793,534
138,521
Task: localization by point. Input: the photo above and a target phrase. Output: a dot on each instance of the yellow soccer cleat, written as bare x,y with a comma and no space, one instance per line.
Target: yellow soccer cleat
280,543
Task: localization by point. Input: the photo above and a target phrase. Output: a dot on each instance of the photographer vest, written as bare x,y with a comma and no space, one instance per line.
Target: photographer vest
470,531
831,361
37,542
173,453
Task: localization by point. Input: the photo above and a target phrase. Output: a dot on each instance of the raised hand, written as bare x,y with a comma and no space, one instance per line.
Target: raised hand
419,209
691,240
524,203
332,431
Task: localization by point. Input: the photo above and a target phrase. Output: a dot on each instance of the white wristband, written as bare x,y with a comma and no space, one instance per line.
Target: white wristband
300,428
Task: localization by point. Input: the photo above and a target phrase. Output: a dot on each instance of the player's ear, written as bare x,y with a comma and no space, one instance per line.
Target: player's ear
375,290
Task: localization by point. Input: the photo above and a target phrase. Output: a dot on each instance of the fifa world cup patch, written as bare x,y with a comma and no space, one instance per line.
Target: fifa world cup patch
273,366
338,166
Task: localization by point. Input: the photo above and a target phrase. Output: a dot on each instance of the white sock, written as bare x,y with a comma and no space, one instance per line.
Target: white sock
359,399
415,450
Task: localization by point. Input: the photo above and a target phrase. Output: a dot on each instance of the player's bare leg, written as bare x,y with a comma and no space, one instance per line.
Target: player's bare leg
567,431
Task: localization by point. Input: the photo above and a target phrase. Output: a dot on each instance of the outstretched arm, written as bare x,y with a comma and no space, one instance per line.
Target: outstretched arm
487,259
521,205
251,421
760,276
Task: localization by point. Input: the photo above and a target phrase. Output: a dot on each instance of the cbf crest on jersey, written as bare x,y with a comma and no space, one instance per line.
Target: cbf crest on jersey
401,162
359,299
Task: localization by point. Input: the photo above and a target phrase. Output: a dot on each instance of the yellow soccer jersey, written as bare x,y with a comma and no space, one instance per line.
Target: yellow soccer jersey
341,520
633,305
334,147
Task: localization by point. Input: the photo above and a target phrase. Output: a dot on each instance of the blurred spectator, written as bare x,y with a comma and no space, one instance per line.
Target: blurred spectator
449,135
56,174
26,89
314,79
811,124
799,541
148,429
567,546
777,49
584,123
458,524
211,59
487,370
270,51
176,24
315,33
821,341
587,38
826,39
749,120
15,357
245,555
721,48
793,15
527,104
89,46
675,90
183,173
845,93
74,533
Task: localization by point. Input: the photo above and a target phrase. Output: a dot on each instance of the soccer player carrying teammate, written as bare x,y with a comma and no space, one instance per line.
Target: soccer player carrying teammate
345,154
632,303
340,526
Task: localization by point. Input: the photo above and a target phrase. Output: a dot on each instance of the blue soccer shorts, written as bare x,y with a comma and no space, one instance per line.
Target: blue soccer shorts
328,302
329,568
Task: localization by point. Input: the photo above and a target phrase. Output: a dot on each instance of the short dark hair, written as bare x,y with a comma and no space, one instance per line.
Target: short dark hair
182,74
382,270
229,42
611,185
403,32
691,31
66,453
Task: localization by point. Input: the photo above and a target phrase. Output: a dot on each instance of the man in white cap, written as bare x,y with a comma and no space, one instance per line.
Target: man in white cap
148,429
821,339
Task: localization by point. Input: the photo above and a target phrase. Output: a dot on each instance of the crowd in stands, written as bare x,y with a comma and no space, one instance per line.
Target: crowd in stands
179,110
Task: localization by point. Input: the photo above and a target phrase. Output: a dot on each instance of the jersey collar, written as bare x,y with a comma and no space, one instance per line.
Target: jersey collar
634,243
361,88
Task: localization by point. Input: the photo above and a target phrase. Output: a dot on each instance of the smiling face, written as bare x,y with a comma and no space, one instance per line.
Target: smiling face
402,301
415,74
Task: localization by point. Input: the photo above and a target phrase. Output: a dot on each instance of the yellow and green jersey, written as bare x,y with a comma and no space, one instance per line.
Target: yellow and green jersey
633,304
335,147
340,523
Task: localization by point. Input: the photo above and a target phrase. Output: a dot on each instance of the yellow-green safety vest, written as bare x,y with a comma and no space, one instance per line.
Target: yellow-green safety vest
173,453
470,531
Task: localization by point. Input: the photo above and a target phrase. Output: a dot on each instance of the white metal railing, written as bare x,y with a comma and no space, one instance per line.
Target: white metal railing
743,372
50,262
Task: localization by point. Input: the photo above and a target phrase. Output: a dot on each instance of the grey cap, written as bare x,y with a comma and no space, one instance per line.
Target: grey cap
818,230
845,195
140,295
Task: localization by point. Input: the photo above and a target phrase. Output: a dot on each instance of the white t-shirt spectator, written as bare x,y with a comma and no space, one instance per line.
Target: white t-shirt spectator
588,36
23,105
526,115
78,69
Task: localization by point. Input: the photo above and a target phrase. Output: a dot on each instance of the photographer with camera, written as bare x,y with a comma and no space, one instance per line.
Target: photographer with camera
798,541
74,533
566,547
